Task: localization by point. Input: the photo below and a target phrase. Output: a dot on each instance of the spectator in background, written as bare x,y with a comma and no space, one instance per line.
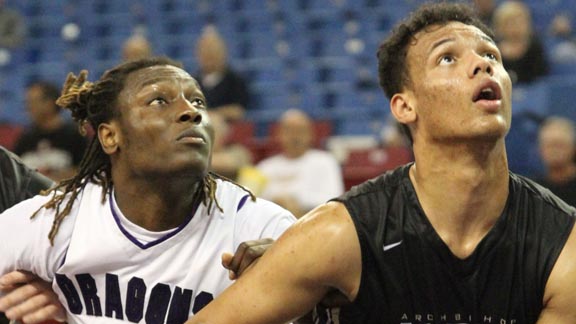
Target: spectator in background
485,10
225,90
12,27
564,49
300,177
227,158
557,139
136,47
50,144
522,51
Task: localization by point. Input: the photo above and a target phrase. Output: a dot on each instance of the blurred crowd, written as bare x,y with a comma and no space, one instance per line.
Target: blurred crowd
290,162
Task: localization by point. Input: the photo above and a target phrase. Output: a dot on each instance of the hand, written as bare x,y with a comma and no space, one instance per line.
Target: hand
247,253
29,298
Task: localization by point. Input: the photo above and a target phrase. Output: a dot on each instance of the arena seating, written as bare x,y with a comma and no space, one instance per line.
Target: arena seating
318,55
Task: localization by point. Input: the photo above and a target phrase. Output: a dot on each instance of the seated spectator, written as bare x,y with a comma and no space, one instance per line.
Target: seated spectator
227,158
226,91
557,149
522,51
50,144
136,47
12,27
485,10
564,49
300,177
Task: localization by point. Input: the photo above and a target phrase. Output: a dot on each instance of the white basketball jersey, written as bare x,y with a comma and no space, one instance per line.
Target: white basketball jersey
113,271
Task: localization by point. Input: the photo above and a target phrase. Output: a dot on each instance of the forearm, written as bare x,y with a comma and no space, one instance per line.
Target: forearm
295,274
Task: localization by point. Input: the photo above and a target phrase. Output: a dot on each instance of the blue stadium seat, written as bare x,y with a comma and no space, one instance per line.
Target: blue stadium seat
107,7
521,147
47,52
247,5
256,45
563,92
531,99
51,71
567,68
45,27
260,20
264,72
187,23
110,25
288,44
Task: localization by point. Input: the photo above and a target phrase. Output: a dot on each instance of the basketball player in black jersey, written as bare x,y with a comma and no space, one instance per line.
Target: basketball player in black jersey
454,237
17,183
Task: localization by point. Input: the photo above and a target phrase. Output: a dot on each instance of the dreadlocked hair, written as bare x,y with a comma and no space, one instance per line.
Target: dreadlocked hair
209,187
94,104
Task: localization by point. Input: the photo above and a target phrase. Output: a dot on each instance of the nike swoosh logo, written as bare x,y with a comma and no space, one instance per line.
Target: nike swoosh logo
391,246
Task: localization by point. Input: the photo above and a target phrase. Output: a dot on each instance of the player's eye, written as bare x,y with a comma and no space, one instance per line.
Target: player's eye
491,56
446,59
158,101
198,102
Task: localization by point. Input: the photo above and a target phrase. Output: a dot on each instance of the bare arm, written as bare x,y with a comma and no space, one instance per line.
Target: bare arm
560,295
246,256
319,253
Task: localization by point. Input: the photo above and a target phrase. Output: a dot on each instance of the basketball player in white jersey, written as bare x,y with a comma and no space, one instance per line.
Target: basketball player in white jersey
137,234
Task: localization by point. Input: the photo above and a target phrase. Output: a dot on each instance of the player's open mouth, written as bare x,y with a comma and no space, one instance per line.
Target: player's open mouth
488,91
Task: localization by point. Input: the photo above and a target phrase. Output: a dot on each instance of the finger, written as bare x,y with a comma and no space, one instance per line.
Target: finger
29,306
226,259
40,307
20,294
16,278
44,314
266,241
238,256
241,259
251,255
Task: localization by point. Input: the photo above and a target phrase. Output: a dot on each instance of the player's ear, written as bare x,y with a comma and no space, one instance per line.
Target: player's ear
109,136
403,108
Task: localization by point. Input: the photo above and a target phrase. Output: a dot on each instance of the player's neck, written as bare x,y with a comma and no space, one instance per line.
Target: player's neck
156,207
461,193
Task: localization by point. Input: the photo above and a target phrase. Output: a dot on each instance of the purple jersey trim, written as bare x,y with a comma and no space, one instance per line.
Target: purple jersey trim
64,258
158,241
242,202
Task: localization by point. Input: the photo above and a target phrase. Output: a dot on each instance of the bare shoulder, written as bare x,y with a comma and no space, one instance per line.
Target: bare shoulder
560,295
320,253
328,236
332,216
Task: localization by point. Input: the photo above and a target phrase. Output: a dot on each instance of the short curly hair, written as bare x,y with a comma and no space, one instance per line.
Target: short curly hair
392,66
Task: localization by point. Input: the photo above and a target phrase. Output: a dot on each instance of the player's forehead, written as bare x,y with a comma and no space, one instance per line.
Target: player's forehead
158,74
433,36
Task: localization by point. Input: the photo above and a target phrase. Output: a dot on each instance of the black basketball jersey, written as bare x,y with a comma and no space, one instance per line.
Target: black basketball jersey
17,181
409,275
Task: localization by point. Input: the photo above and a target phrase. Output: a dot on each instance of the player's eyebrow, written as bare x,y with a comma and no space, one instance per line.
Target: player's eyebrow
452,39
440,42
488,39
